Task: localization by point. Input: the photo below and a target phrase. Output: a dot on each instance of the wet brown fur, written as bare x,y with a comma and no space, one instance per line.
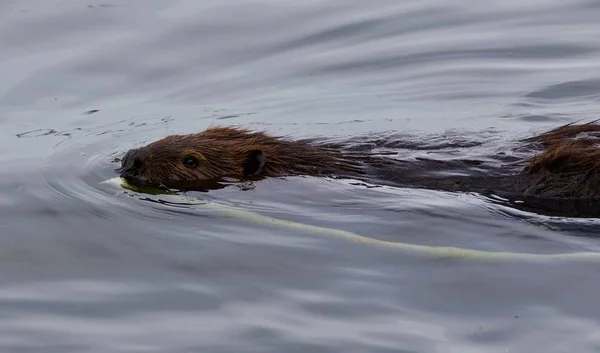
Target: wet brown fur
223,151
568,165
565,162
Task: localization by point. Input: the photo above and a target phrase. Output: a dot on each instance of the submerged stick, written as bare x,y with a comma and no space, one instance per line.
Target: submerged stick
436,252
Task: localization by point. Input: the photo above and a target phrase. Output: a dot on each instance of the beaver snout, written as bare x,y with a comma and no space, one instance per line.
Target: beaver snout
132,165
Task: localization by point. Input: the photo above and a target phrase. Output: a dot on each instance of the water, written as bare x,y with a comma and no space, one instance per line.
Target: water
87,267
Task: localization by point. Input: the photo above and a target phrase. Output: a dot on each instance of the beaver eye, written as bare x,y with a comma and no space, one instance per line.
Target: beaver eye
190,161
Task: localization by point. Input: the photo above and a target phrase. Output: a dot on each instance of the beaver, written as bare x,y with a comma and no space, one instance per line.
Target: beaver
560,174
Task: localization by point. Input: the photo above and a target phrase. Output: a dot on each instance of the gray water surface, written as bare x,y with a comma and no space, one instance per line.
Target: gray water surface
89,267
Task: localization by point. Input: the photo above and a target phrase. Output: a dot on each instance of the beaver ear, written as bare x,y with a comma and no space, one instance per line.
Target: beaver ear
255,161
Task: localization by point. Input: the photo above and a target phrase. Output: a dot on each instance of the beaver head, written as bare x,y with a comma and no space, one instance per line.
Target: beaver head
196,160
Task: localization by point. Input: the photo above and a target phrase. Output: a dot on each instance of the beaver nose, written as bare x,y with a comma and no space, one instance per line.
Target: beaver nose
131,164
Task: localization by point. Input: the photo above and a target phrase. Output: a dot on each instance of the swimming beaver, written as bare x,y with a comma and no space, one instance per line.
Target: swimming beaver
560,176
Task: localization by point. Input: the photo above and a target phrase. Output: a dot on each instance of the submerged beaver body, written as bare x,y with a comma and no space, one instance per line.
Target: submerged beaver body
560,175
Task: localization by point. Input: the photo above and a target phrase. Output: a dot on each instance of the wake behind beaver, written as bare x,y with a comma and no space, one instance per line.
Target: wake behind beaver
559,175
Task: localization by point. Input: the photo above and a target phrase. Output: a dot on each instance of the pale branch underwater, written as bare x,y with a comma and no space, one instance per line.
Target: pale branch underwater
559,176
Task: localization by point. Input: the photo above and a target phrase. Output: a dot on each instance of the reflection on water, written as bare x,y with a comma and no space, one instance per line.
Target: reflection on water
90,267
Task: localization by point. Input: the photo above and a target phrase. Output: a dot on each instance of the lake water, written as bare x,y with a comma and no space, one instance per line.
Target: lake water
89,267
